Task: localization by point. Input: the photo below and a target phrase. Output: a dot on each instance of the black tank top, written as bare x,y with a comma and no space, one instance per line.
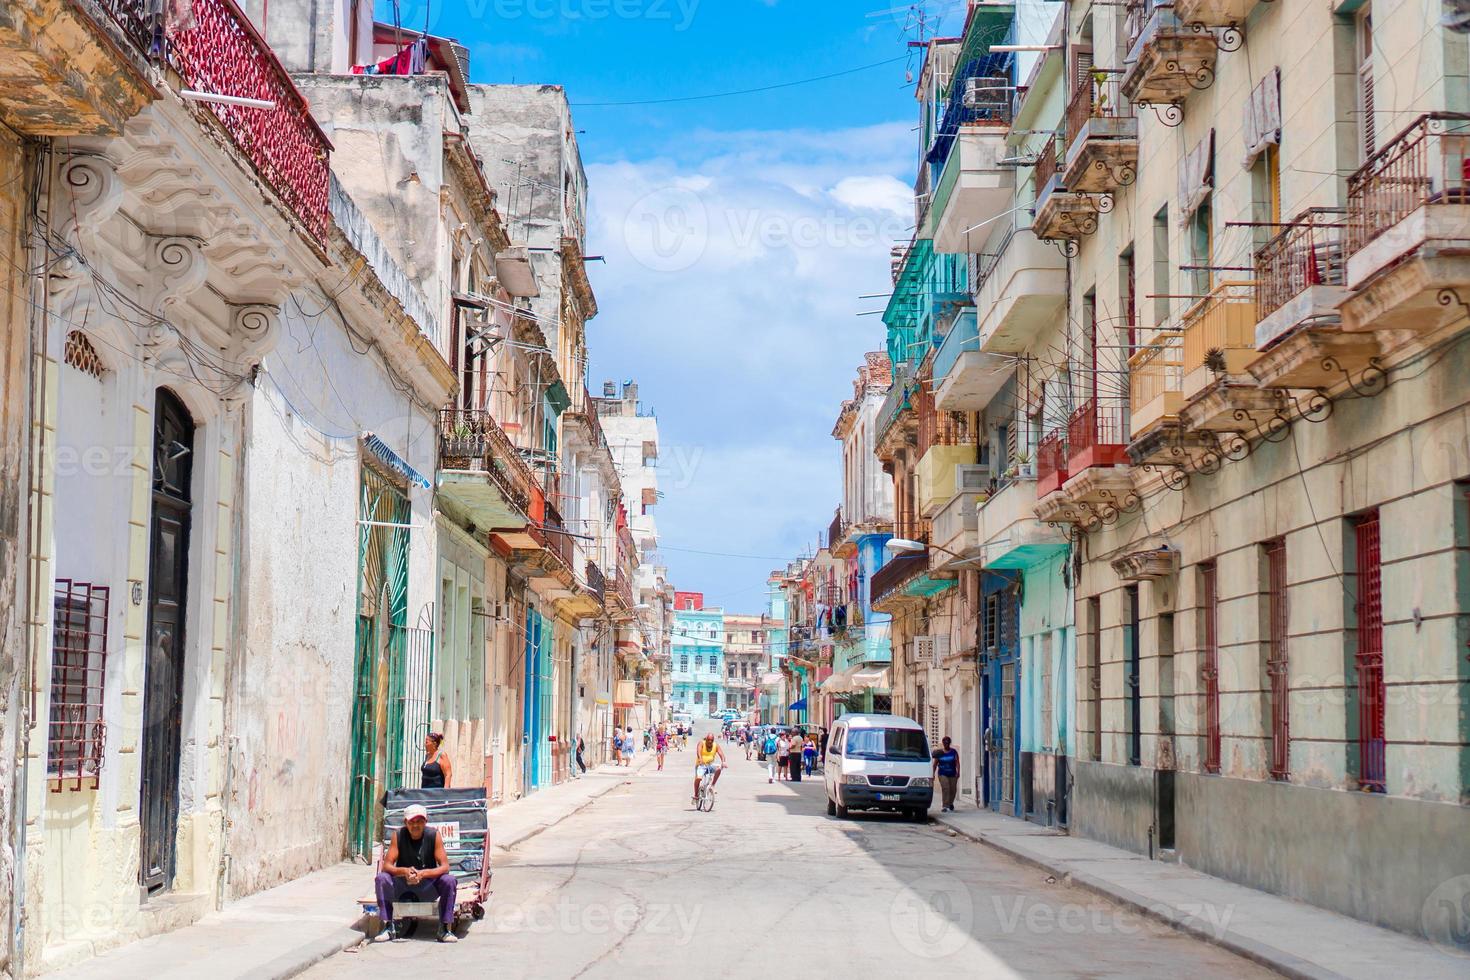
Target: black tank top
416,853
433,775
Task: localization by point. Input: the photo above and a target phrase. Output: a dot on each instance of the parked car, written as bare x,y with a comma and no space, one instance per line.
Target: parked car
878,762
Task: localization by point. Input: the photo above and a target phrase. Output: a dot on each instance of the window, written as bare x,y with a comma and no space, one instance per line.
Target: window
76,732
1132,680
1047,741
1202,250
80,354
1266,195
1369,658
684,664
834,744
1367,123
1161,268
889,744
1094,620
1128,299
1277,672
1209,671
698,664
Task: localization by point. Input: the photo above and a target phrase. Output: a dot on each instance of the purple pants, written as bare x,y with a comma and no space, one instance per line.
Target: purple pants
445,886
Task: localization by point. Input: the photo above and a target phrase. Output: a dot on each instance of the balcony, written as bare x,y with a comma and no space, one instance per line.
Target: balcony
835,530
1060,214
1301,280
1167,59
1020,289
1408,224
1097,435
1219,337
1051,462
596,582
73,69
583,411
1155,377
974,187
1102,137
888,581
1214,13
481,471
936,478
957,524
966,377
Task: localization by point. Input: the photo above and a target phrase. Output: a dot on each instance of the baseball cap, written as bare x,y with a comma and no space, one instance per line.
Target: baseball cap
415,810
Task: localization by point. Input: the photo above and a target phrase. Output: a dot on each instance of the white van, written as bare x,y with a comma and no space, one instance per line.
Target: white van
878,762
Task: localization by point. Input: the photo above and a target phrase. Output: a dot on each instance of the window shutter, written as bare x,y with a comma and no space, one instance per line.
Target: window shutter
1081,67
1365,108
941,648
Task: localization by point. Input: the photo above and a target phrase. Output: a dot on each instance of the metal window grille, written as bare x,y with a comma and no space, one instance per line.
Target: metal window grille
1094,619
80,354
1277,669
1371,690
1047,701
1210,665
76,732
1133,679
1007,726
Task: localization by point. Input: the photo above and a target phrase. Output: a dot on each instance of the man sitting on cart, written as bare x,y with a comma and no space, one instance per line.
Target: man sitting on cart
416,865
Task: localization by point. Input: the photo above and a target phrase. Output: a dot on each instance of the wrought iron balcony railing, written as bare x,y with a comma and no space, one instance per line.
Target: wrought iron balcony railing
1308,252
222,53
472,439
1428,163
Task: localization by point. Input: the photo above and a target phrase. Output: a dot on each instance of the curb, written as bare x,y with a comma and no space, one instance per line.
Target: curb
304,957
1282,962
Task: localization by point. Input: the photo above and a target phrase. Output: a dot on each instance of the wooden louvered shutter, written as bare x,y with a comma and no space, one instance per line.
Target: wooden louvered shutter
1367,121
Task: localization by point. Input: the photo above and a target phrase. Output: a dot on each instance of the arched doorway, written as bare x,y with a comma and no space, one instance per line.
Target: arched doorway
163,682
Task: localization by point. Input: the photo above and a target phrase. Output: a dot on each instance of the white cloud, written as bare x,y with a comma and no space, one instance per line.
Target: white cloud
735,263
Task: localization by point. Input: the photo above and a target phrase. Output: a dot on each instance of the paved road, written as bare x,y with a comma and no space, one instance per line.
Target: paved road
769,885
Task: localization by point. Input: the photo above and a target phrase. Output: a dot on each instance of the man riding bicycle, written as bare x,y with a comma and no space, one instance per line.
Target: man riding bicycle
705,755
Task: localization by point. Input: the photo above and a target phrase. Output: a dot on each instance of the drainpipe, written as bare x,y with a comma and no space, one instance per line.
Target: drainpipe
29,588
238,604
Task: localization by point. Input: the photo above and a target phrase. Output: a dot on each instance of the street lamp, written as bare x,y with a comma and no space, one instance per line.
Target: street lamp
907,546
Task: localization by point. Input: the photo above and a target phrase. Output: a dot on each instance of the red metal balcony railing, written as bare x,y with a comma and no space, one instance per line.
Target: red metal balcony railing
472,439
1096,436
223,54
1051,462
1428,163
1308,252
1098,97
1046,164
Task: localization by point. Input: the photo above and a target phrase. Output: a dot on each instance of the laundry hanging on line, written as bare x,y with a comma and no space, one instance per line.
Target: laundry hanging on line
409,61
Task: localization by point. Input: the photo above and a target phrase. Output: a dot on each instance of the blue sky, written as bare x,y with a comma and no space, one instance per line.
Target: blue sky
739,235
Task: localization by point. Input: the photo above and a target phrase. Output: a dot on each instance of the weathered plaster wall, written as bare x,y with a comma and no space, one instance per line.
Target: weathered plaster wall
1379,858
14,393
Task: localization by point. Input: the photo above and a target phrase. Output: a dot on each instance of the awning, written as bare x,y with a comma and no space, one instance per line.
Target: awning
798,705
838,683
1263,117
1196,178
864,680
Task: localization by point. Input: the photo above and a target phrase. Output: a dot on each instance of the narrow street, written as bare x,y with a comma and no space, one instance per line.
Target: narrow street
768,883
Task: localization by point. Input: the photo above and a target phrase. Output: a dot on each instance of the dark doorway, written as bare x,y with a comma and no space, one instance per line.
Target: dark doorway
163,683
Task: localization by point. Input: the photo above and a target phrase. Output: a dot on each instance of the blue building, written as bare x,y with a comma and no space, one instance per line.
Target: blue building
698,670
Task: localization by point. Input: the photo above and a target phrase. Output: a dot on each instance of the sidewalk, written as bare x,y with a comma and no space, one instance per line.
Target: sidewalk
1293,938
284,930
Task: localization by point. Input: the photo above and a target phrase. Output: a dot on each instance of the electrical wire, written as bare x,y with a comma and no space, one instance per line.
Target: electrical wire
745,91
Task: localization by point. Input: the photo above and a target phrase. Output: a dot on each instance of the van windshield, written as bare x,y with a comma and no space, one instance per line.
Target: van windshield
895,744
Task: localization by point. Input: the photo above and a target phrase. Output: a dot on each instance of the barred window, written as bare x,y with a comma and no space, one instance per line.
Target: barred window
80,354
78,665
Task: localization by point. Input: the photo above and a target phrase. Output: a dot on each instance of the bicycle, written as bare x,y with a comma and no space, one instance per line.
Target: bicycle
706,800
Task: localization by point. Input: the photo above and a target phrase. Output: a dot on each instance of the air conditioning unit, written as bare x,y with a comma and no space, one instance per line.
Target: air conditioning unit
971,478
987,92
923,650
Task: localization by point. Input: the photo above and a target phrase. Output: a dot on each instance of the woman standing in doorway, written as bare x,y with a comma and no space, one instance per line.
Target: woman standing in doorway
437,771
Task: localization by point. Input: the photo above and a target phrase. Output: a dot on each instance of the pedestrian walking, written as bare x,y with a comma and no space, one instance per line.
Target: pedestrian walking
581,760
617,747
947,771
783,752
436,771
768,755
809,754
822,747
629,747
661,745
793,759
748,738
